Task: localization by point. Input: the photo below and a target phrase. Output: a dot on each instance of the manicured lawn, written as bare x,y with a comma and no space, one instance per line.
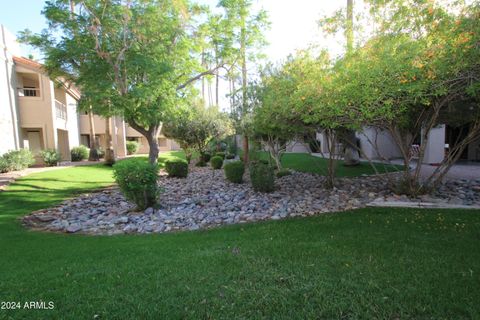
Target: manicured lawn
164,156
305,162
367,264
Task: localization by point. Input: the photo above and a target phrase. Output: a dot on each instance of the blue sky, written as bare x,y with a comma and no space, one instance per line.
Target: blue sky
293,26
293,22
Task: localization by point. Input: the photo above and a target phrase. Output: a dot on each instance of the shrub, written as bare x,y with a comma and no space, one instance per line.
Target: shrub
176,168
51,157
4,165
201,163
79,153
100,153
220,154
230,156
16,160
216,162
132,147
205,157
234,171
283,173
137,180
262,177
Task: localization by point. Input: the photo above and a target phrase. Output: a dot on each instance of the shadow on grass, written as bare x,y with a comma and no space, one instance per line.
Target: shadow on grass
44,189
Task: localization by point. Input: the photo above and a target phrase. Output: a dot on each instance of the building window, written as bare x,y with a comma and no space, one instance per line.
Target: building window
60,110
85,140
30,92
28,85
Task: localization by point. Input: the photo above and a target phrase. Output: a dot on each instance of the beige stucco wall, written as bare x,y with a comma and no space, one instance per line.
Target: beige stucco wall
98,123
117,126
38,112
8,107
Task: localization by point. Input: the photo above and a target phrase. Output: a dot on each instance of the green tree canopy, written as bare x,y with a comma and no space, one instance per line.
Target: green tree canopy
136,59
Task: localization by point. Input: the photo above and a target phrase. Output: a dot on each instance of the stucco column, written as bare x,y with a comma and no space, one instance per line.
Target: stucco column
435,149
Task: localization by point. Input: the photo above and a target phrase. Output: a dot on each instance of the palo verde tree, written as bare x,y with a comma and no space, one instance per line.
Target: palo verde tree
196,126
275,122
413,72
246,27
139,56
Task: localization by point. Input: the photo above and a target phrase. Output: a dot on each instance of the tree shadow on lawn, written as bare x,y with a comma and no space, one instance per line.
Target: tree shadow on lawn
45,189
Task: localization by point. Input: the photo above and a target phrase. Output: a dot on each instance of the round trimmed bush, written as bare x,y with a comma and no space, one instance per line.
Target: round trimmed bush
216,162
132,147
205,157
176,168
79,153
220,154
262,177
137,180
234,171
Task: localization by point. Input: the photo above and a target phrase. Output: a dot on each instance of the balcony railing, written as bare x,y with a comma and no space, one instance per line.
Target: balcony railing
28,92
60,110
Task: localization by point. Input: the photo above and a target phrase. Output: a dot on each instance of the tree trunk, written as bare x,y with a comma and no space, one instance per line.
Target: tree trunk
217,78
243,53
93,155
152,138
203,78
109,152
331,169
351,157
245,149
349,26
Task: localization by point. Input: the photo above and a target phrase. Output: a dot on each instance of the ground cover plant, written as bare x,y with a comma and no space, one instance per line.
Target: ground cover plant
370,263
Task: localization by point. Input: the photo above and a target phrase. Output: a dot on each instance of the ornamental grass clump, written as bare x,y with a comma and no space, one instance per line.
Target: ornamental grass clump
176,168
132,147
50,157
234,171
79,153
137,180
262,177
16,160
216,162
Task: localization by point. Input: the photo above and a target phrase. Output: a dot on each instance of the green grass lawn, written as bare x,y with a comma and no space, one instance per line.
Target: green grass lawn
305,162
364,264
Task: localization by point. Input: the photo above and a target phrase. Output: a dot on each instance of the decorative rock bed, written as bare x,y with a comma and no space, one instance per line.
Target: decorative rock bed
205,199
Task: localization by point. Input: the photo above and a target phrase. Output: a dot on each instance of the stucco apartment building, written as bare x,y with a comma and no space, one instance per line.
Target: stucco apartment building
37,112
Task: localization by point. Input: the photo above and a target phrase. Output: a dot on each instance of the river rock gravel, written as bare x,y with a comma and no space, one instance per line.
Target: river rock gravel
206,199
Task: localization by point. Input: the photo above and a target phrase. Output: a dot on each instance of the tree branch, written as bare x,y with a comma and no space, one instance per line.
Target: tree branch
198,76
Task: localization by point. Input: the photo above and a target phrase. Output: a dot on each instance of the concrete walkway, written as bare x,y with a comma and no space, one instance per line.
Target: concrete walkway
461,170
9,177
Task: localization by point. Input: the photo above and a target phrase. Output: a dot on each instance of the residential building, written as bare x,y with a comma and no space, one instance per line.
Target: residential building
37,112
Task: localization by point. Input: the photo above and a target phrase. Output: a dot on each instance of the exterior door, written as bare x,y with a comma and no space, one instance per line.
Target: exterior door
34,141
63,146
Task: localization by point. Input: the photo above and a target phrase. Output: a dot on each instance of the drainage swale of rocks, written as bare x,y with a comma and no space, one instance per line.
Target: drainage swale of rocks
206,199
